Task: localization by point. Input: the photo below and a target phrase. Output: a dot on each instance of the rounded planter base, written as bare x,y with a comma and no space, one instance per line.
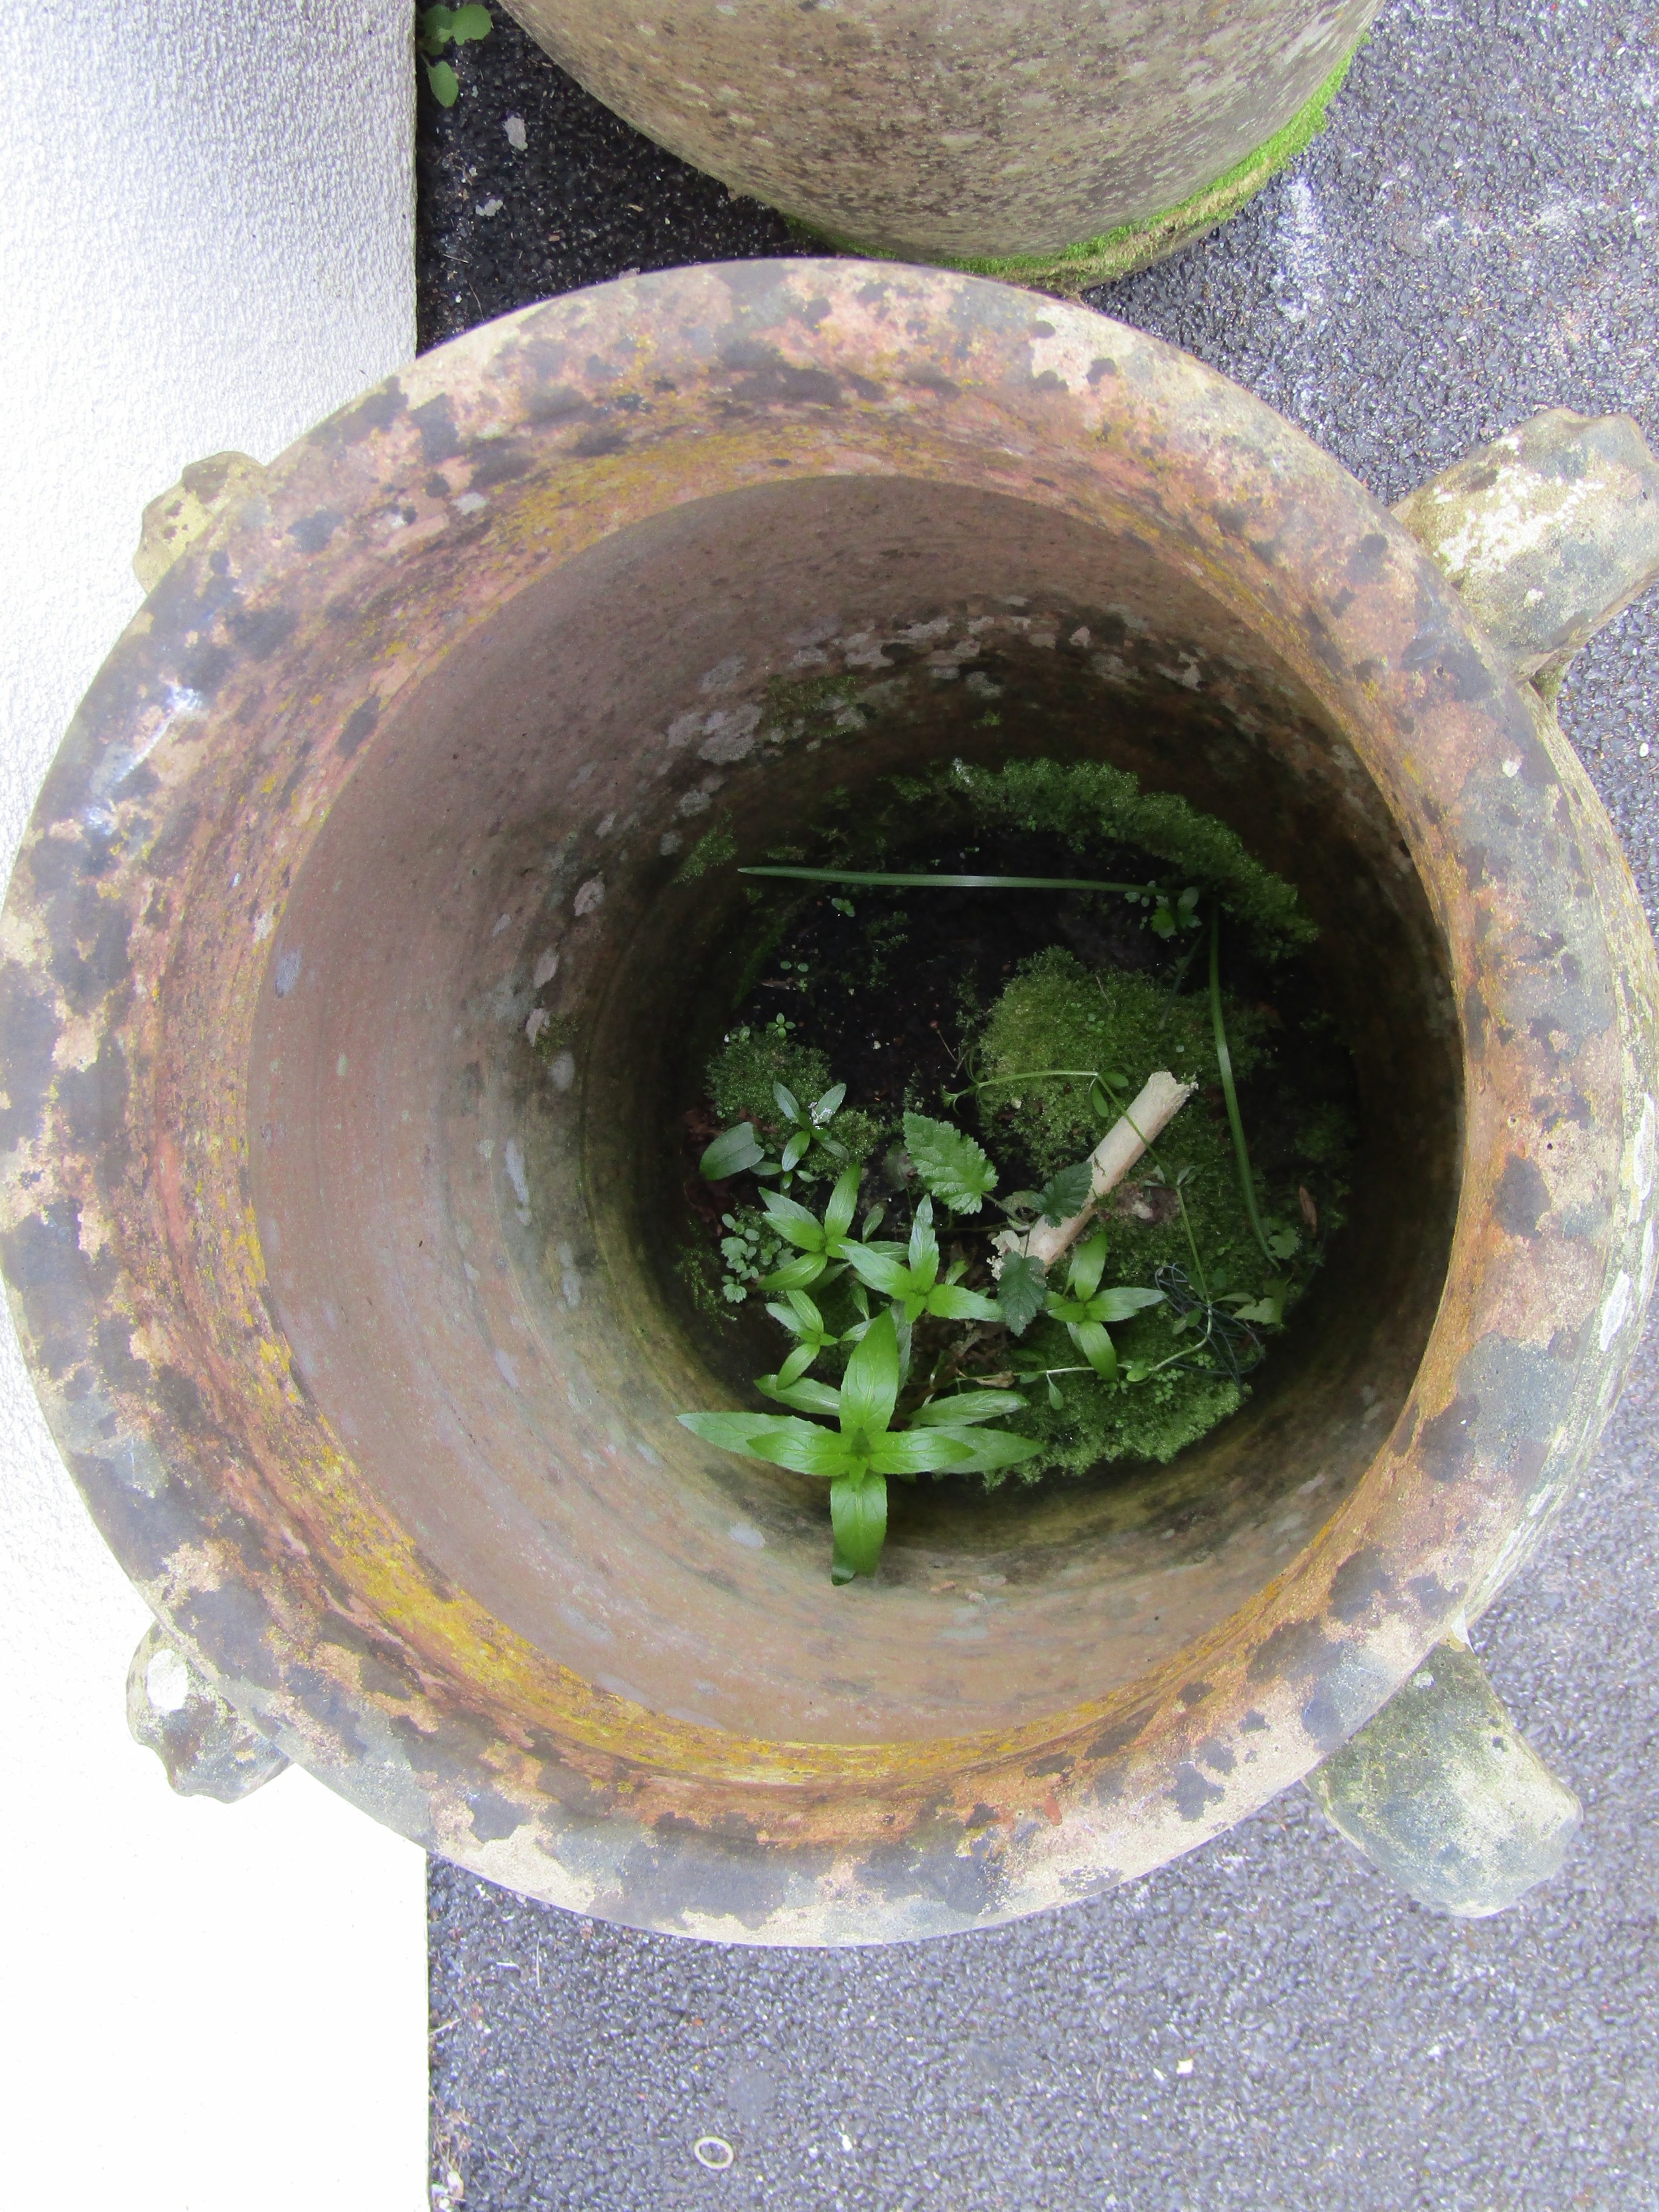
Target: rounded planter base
1136,246
1053,147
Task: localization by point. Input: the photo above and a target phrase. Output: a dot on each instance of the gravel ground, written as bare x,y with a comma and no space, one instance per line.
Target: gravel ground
1265,2025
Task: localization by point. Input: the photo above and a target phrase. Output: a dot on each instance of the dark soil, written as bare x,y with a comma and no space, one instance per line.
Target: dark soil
887,988
615,203
891,992
891,986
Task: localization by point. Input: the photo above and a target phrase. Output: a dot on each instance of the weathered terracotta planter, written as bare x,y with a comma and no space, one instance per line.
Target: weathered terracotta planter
1053,144
348,966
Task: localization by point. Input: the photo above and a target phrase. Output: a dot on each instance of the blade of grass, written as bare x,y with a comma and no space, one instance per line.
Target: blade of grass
947,883
1192,953
1228,1090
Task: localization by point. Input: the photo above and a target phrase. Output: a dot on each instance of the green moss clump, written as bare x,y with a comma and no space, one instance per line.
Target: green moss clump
1087,802
1057,1013
794,704
741,1074
860,1133
1093,1424
713,850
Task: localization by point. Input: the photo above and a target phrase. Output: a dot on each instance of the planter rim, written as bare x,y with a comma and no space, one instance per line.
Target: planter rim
516,446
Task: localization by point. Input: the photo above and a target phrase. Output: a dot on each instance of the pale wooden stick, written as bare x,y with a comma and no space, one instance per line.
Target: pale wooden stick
1160,1100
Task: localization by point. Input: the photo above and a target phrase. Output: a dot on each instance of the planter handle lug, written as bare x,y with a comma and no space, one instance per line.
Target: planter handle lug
1547,534
176,518
207,1747
1442,1793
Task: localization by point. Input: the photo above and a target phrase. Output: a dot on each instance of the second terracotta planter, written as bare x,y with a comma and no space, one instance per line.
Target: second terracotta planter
1057,144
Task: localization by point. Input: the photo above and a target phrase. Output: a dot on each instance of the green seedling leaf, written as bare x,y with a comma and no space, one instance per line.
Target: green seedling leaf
987,1450
911,1452
732,1153
838,1214
801,1392
913,1281
877,1266
1021,1290
795,1221
825,1109
1097,1347
1269,1308
1121,1304
1088,1263
870,1389
858,1520
951,1303
806,1267
1284,1244
1054,1398
922,1256
436,29
966,1409
801,1445
470,22
1066,1193
952,1167
797,1146
801,1316
445,85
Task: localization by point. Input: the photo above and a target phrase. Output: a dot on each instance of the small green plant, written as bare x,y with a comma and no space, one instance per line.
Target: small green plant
1086,1309
1162,1308
819,1245
739,1151
911,1282
926,1295
443,26
953,1167
869,1443
804,1322
749,1249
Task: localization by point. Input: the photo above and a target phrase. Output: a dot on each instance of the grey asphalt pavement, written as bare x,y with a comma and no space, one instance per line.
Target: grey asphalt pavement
1265,2026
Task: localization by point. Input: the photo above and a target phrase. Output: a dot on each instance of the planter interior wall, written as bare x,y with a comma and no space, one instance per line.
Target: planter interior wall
354,962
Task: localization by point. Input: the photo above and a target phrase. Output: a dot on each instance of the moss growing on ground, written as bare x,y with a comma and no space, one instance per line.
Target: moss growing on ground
1093,1424
740,1079
1088,803
1057,1013
713,850
1066,1044
741,1074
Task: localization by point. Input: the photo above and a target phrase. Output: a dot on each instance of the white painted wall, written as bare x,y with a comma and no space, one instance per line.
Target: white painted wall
206,241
